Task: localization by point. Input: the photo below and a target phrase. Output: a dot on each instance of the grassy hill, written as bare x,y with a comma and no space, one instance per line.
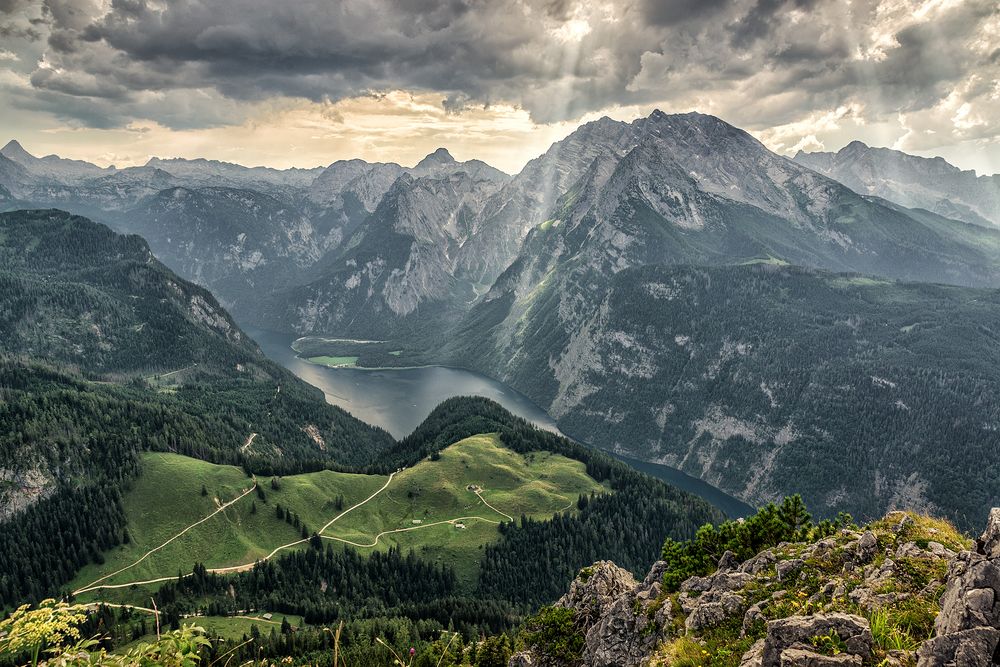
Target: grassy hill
429,503
104,354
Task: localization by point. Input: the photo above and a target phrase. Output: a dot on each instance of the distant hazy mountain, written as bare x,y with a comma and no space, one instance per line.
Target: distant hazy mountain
349,190
52,166
235,241
400,264
441,163
683,189
911,181
202,172
241,231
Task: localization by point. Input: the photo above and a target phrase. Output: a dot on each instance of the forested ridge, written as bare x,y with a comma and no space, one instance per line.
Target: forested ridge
105,353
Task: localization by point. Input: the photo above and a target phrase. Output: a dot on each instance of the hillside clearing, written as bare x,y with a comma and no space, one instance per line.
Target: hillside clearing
438,508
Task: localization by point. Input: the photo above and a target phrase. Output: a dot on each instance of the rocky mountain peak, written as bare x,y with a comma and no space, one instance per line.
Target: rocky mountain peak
439,157
15,151
854,147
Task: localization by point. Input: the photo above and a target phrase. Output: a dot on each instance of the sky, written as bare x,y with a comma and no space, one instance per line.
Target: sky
305,82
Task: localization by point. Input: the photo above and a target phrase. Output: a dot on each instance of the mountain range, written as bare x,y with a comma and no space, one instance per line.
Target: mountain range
667,288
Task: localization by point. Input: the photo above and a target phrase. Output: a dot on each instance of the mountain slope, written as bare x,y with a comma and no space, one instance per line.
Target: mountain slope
239,231
52,167
83,309
911,181
399,266
667,189
236,241
425,498
204,173
765,380
76,293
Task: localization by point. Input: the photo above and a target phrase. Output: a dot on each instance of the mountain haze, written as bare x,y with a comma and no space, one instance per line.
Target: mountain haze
915,182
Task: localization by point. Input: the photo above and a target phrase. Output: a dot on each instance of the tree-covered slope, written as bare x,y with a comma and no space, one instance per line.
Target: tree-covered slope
105,353
74,292
507,512
861,394
98,307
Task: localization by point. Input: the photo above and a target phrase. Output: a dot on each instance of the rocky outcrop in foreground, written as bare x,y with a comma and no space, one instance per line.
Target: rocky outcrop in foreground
967,631
862,597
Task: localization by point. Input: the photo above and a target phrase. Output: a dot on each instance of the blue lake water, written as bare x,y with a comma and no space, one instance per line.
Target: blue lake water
399,399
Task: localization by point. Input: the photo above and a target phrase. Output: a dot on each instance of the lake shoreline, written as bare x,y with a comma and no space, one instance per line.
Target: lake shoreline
399,398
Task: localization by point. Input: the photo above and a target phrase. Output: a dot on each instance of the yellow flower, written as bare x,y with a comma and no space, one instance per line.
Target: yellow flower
52,624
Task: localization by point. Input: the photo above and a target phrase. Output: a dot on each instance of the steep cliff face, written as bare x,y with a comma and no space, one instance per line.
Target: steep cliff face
236,241
401,259
912,181
868,596
529,198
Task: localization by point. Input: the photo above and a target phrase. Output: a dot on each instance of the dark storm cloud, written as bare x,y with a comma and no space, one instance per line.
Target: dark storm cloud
671,12
11,6
762,19
556,58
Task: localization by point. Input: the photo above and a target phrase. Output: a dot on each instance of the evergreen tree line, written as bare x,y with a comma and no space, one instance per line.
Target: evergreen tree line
52,539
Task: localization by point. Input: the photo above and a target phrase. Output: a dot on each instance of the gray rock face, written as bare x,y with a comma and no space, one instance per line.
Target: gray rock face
796,657
989,543
966,648
622,636
621,620
794,633
866,547
967,631
522,659
595,591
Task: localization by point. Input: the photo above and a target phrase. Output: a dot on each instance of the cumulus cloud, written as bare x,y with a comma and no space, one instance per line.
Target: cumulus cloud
779,66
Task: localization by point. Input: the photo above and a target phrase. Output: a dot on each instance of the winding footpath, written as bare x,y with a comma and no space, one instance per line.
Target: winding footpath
406,530
94,584
247,444
97,585
249,566
479,492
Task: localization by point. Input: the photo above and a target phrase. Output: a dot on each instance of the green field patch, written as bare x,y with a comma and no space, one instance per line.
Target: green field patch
858,281
334,362
167,499
772,261
537,485
446,510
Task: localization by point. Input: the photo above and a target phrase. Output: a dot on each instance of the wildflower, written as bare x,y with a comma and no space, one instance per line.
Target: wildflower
412,650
